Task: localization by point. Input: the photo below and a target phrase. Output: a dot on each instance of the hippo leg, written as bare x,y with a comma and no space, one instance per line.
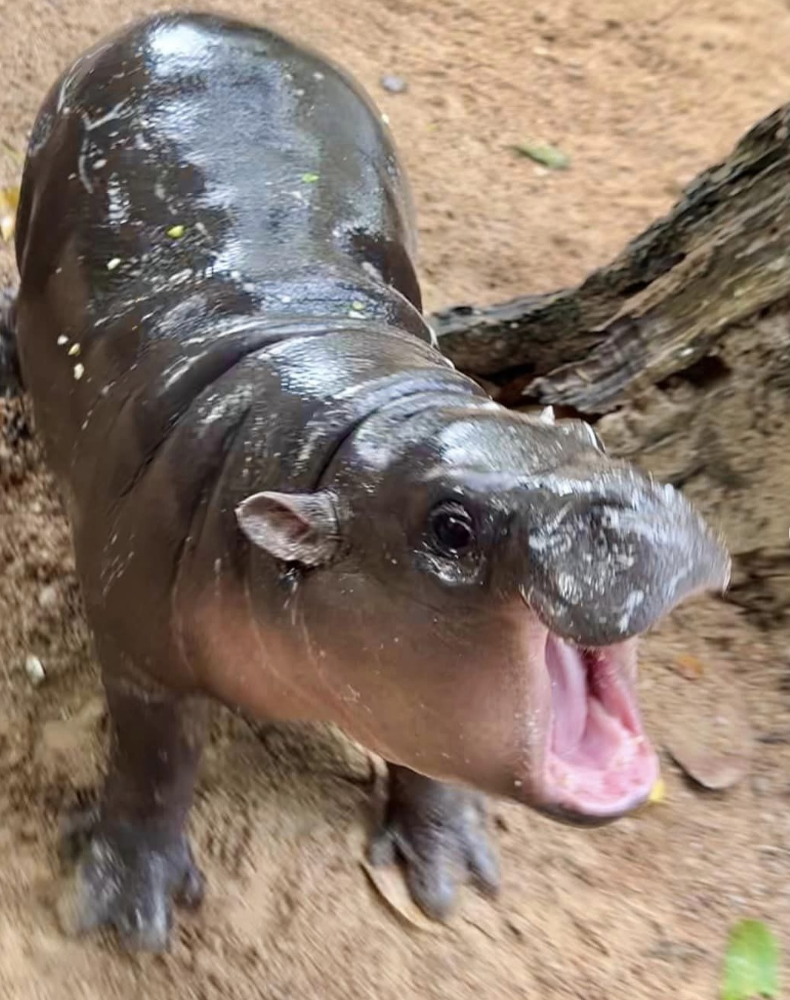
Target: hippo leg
136,856
10,379
438,832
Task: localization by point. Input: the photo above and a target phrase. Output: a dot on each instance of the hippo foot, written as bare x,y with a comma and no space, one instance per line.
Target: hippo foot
10,383
126,878
438,833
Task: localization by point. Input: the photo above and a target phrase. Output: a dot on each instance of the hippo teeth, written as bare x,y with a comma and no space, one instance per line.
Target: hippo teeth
599,762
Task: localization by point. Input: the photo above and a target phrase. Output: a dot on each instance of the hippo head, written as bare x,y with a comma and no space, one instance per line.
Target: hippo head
469,585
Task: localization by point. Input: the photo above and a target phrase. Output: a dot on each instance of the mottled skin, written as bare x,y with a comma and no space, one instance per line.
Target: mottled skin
220,327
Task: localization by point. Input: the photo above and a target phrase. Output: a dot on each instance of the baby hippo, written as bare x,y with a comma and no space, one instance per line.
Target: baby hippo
284,498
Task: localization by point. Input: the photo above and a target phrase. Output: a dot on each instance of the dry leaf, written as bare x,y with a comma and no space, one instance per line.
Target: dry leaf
388,880
711,742
9,201
689,666
716,771
545,155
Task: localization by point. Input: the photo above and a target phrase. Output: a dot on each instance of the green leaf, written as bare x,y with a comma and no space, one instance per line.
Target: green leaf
176,232
309,178
546,156
751,965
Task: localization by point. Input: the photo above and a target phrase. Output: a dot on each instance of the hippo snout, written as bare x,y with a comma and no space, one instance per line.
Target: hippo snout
605,560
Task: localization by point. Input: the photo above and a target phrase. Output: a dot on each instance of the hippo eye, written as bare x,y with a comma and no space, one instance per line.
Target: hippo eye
452,529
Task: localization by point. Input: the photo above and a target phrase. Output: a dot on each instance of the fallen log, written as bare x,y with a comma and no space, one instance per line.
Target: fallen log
679,351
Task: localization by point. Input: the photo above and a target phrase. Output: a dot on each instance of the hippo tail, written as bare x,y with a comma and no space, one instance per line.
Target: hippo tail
10,374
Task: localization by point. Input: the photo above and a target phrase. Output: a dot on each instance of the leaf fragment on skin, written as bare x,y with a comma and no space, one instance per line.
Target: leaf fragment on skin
176,232
545,155
310,178
751,964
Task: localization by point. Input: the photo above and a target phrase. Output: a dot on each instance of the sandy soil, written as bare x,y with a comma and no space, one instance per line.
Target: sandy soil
641,95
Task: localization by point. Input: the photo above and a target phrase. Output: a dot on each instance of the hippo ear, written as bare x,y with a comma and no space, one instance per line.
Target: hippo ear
293,527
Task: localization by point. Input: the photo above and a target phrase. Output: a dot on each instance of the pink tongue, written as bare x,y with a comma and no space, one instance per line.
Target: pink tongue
603,738
568,675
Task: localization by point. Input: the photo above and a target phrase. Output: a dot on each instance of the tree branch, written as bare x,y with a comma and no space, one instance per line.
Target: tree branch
721,256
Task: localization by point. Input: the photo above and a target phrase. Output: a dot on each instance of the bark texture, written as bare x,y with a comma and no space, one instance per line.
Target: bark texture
679,350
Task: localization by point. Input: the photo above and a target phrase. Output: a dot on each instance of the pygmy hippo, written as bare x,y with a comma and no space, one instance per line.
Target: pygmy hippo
284,498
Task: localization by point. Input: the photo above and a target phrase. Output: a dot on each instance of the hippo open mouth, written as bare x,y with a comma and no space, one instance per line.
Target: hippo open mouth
599,763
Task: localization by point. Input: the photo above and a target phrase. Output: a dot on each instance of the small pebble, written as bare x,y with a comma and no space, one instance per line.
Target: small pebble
48,597
62,339
79,371
760,785
34,669
112,264
30,831
394,84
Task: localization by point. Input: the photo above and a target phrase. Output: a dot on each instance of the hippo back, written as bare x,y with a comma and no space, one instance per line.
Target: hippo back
190,173
214,241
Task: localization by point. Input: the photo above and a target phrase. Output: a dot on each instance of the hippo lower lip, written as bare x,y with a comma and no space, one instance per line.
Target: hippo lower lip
598,761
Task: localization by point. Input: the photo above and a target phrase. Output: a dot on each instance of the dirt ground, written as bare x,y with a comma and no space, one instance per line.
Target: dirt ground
641,95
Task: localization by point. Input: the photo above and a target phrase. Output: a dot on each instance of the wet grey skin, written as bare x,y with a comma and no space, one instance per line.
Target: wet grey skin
283,498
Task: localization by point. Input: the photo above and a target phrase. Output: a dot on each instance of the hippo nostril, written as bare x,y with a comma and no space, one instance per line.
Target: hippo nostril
599,543
601,523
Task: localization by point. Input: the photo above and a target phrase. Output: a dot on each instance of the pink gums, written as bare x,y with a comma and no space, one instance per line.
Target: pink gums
599,762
